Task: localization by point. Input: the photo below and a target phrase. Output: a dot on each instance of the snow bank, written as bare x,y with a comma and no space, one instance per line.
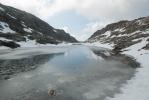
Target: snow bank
138,87
28,43
4,39
33,43
31,47
3,48
55,30
19,53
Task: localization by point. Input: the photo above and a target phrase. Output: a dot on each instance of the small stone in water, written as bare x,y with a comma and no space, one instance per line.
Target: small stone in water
52,93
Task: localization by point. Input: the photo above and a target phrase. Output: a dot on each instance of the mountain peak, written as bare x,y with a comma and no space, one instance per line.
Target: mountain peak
124,33
20,26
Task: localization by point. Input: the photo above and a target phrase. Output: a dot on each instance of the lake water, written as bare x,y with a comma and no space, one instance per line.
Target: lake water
75,74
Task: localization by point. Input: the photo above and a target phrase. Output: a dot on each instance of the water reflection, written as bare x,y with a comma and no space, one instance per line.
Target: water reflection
78,74
13,66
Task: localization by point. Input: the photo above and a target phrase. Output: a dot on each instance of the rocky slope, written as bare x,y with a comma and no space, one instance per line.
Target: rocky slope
18,27
124,34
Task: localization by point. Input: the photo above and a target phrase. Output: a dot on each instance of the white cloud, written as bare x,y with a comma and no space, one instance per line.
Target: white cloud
89,30
33,6
92,9
113,10
41,8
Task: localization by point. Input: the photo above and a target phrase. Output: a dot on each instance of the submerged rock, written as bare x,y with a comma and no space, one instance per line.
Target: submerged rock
52,92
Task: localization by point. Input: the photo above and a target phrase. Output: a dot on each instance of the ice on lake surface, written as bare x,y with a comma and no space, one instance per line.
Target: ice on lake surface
74,72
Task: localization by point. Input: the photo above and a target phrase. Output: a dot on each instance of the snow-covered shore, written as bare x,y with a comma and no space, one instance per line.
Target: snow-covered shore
138,87
31,47
32,43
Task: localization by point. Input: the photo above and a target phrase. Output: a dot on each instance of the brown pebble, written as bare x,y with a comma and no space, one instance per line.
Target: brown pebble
52,93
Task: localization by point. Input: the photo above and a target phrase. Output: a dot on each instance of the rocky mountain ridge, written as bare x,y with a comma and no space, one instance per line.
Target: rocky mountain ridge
124,34
19,26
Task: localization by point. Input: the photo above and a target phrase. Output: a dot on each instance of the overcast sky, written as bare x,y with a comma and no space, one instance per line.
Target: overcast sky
82,17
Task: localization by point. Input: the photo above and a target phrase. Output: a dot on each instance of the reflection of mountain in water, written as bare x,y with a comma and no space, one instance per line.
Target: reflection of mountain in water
107,55
12,66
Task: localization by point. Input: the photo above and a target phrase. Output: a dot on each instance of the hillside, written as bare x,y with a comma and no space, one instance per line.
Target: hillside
124,34
19,27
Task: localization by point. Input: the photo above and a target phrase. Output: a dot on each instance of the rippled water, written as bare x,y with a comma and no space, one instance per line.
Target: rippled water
76,74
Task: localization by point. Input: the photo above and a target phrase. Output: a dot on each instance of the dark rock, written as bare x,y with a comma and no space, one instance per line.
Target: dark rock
52,92
146,47
10,44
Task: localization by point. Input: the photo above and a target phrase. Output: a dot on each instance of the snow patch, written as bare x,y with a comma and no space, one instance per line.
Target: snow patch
120,30
11,16
55,30
108,33
40,33
4,39
130,34
28,43
29,30
137,39
23,24
107,53
146,31
2,9
140,22
137,46
121,35
5,28
33,43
